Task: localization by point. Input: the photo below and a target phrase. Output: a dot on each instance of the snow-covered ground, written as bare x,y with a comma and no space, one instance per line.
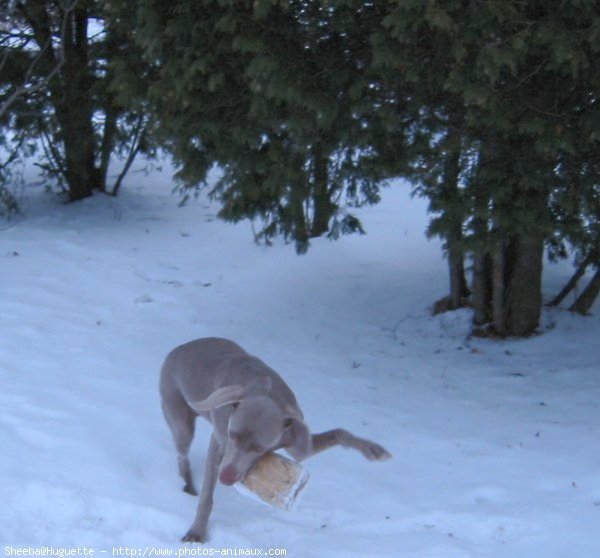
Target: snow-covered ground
496,444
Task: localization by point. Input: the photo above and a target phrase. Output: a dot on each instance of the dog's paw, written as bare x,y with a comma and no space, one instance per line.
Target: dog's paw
374,452
189,488
194,536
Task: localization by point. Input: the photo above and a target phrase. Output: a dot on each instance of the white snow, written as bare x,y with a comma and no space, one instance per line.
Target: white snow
496,444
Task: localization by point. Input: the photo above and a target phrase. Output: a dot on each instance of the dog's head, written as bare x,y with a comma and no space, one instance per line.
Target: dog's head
255,425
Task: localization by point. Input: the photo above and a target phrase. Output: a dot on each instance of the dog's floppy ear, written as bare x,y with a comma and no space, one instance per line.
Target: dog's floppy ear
259,384
218,398
297,437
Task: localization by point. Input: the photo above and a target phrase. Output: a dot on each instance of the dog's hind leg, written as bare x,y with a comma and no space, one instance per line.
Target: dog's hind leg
181,420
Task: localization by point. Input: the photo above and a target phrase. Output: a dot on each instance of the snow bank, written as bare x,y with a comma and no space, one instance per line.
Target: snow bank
495,444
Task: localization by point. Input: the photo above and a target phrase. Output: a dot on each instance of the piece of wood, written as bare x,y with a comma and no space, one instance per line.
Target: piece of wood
276,480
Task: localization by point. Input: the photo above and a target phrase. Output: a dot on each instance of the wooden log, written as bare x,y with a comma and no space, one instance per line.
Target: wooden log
276,480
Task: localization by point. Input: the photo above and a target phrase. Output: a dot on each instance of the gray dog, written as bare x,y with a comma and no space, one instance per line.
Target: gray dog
252,411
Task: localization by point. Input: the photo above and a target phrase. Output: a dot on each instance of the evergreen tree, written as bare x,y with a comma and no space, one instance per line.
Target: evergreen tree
576,210
67,49
523,80
279,95
490,107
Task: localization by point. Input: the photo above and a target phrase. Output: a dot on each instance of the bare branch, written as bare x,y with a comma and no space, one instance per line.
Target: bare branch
52,155
30,85
134,149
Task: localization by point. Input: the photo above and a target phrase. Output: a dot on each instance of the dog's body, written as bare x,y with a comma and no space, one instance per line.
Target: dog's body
252,411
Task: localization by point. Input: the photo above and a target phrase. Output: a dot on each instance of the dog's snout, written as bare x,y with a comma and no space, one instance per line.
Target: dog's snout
229,475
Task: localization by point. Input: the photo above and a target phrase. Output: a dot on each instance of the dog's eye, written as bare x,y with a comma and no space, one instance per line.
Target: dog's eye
236,404
287,422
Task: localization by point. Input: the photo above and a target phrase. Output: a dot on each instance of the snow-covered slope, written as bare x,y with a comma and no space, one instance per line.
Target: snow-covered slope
496,445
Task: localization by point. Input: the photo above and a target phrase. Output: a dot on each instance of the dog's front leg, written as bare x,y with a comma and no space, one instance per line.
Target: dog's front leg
198,530
341,437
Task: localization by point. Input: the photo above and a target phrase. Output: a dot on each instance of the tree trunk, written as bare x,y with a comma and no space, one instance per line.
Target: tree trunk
584,302
524,283
454,214
524,294
482,280
499,264
482,257
481,291
108,141
459,290
112,111
324,208
74,109
70,91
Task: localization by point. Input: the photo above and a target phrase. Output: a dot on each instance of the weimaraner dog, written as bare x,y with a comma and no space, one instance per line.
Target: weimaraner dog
252,411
